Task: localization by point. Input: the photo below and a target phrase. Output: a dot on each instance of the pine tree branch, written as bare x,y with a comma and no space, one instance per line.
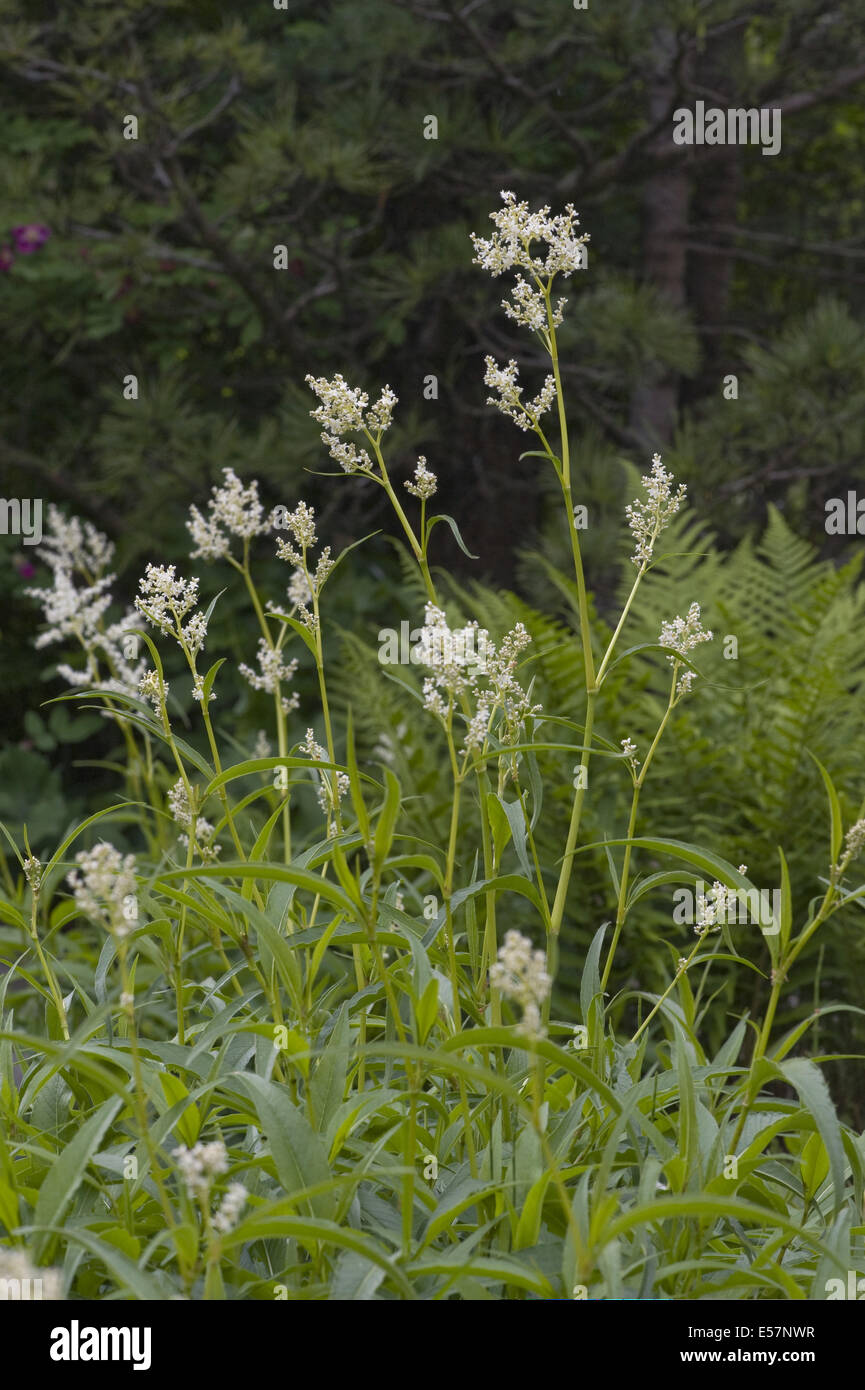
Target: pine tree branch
63,483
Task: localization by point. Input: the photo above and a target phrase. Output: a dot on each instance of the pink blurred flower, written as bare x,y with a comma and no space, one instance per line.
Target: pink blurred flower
24,567
30,237
7,257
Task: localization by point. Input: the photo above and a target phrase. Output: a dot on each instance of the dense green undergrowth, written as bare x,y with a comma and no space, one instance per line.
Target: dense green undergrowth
403,999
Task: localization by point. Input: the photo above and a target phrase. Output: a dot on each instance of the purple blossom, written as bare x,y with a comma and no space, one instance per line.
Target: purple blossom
7,257
30,237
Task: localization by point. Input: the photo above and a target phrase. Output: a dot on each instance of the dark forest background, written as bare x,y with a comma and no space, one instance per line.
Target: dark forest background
304,126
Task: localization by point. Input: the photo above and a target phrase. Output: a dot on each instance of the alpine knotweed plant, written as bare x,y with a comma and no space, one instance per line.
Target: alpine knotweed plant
275,1027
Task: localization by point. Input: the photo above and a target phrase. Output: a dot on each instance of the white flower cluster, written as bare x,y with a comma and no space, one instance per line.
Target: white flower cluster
343,410
299,589
16,1264
233,509
301,523
328,798
181,812
520,973
165,601
380,416
272,672
153,689
304,584
509,398
104,889
458,658
232,1205
510,245
342,406
683,635
711,912
198,690
425,481
505,692
75,604
854,841
33,872
194,634
528,308
648,517
71,544
70,610
201,1164
630,751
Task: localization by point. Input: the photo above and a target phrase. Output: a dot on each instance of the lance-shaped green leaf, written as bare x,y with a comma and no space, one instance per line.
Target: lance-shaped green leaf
298,1153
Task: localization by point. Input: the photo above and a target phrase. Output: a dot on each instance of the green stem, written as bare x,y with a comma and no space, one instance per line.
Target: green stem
638,785
140,1096
53,986
623,891
408,1182
281,731
621,623
585,636
671,986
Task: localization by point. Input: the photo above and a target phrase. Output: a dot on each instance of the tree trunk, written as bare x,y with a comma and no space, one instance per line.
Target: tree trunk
665,227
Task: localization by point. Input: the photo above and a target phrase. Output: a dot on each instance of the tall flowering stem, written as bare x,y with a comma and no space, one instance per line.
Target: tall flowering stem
647,518
680,637
344,411
273,647
564,474
104,888
236,512
33,874
169,604
512,247
301,524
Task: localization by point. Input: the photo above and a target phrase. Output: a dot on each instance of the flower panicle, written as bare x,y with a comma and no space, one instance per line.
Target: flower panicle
233,511
465,661
425,483
683,635
203,833
517,230
345,410
520,973
272,673
103,886
509,394
75,605
332,787
649,516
